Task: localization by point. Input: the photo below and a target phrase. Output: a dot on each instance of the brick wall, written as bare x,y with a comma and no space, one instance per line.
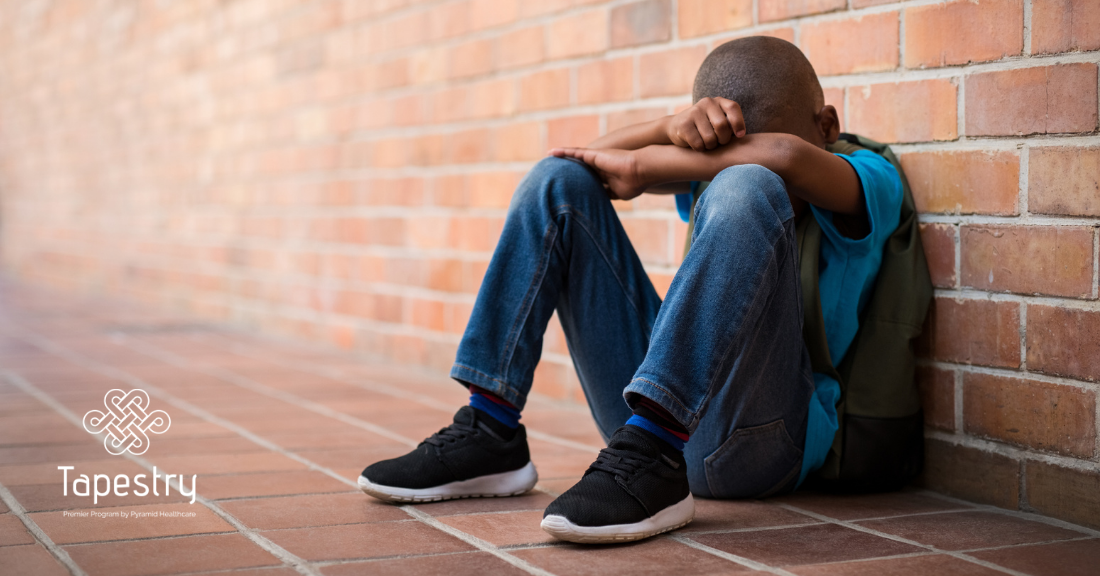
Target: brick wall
339,171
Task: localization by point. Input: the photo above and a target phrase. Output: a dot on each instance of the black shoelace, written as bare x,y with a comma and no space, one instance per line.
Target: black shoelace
620,463
451,434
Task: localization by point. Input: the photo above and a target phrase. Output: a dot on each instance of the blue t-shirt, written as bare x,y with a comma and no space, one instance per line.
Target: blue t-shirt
847,274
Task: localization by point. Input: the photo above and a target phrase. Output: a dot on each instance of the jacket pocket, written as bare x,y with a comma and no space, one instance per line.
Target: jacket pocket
754,462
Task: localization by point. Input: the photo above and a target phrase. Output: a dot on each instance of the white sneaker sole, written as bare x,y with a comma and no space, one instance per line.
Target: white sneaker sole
511,483
671,518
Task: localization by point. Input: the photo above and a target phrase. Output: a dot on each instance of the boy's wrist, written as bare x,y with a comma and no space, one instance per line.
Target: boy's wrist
661,136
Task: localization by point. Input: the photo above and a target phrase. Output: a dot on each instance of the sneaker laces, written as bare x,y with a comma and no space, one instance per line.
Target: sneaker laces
620,463
451,434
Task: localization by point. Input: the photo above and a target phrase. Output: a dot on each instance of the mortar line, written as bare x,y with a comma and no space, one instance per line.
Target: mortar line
1011,373
40,535
303,567
290,560
1013,452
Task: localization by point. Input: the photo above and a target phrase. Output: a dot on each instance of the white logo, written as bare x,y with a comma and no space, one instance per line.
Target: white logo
127,420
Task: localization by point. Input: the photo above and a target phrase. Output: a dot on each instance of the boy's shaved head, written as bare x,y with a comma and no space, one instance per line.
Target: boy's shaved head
770,78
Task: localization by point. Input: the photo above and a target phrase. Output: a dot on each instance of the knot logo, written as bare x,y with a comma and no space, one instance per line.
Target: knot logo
126,422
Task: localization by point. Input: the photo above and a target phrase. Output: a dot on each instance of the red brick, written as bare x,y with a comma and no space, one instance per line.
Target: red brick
491,13
905,112
783,9
670,73
974,332
971,474
640,23
1030,413
939,251
963,31
578,34
605,81
862,44
518,141
472,58
702,17
965,182
572,131
650,237
1063,341
937,394
1028,259
492,99
1040,100
1065,493
616,120
492,189
835,97
1064,180
521,47
1064,26
542,90
866,3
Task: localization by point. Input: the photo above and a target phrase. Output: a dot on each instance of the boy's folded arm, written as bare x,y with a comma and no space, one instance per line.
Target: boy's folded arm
635,136
810,173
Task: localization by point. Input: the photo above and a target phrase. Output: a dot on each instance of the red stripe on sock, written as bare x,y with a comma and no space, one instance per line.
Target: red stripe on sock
658,409
490,396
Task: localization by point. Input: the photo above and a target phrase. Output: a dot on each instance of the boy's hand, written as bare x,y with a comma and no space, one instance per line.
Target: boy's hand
617,168
710,123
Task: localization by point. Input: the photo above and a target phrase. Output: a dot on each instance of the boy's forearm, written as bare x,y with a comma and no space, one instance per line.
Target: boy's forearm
635,136
810,173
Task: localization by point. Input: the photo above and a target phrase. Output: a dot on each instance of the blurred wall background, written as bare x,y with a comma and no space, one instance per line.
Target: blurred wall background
339,171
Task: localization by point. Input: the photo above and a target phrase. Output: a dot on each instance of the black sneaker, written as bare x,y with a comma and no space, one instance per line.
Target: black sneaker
636,488
475,456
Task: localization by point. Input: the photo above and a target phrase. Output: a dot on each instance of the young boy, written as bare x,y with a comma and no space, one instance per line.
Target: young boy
720,399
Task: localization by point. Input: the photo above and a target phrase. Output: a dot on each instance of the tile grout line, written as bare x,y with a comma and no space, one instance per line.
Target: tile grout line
298,564
685,540
56,551
304,567
902,540
1030,516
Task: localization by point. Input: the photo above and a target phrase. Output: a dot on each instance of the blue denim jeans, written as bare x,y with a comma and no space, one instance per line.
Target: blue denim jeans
723,353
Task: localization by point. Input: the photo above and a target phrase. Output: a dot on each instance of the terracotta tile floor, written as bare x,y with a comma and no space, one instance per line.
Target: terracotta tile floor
277,433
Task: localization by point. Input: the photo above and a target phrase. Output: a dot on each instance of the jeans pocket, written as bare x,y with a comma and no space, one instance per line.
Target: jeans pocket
754,462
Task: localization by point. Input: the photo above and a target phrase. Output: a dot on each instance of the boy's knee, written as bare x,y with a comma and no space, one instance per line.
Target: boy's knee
745,190
555,180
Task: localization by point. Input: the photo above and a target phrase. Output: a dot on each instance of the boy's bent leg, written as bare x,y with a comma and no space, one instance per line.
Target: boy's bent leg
727,358
562,247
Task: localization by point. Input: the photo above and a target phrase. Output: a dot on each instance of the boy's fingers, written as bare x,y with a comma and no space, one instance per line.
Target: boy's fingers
721,124
736,118
706,132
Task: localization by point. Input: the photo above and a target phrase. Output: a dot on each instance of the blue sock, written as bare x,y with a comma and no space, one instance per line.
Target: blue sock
658,430
494,406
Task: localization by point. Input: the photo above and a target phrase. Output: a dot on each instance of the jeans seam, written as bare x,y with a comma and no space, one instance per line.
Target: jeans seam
528,299
667,393
497,380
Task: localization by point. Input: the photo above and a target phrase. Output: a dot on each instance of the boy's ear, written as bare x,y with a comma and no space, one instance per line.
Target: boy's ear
828,124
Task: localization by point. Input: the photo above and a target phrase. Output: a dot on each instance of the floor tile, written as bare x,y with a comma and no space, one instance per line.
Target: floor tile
170,555
201,446
1079,558
269,484
42,497
857,506
241,462
38,429
503,529
968,530
64,529
739,514
804,545
48,472
938,565
355,541
30,559
13,532
458,564
654,557
311,510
